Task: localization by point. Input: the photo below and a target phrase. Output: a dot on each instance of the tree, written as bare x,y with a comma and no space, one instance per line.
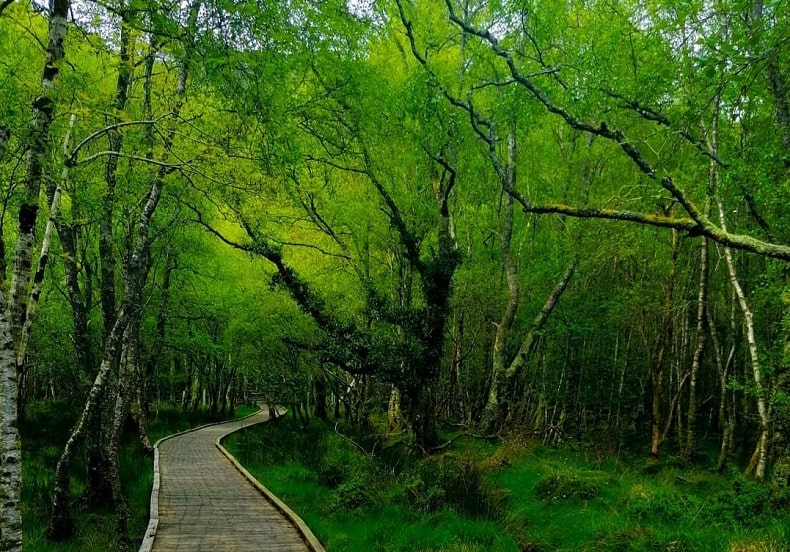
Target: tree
12,315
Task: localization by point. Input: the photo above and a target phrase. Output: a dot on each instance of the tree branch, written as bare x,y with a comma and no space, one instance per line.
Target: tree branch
701,227
602,130
650,114
72,159
686,224
704,225
107,153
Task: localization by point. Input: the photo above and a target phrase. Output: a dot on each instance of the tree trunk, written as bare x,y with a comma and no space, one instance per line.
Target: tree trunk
664,340
494,412
319,383
126,368
61,526
699,348
528,343
759,459
134,278
394,414
12,307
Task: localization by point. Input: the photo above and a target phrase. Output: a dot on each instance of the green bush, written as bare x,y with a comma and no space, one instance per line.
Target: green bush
354,493
448,482
422,496
337,462
748,503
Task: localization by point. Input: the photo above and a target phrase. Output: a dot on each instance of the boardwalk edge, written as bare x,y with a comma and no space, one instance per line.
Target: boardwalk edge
153,516
308,536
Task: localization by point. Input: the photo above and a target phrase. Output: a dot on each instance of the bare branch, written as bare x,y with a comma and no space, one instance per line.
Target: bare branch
199,220
686,224
101,154
701,227
650,114
72,160
311,246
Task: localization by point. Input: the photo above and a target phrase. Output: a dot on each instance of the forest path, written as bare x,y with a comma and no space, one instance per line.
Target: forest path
204,503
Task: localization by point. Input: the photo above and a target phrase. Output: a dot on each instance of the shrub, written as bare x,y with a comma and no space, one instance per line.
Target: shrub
448,482
748,503
658,504
337,462
351,495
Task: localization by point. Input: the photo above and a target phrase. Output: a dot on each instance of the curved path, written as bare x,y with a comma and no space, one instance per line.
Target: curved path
206,504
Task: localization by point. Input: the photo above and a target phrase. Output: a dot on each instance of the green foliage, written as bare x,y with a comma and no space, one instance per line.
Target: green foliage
747,504
448,481
297,110
353,501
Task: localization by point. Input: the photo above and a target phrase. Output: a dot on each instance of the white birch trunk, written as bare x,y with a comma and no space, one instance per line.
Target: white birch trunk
759,460
13,308
43,256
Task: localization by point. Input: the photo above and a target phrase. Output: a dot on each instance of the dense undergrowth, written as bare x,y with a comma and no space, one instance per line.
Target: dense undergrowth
360,494
46,427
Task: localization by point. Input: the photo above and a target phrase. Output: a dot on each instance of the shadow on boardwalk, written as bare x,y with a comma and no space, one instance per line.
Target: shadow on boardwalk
205,504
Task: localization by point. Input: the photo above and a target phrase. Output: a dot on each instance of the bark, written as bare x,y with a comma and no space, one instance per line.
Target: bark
43,256
140,407
127,366
61,527
35,296
5,135
11,474
97,492
61,523
713,146
699,348
106,249
657,435
394,414
494,411
759,459
528,343
13,308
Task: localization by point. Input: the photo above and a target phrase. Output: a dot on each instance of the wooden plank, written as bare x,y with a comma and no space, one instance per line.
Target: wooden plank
205,503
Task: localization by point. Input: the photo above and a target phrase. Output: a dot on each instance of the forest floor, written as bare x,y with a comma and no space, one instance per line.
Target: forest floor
44,432
359,493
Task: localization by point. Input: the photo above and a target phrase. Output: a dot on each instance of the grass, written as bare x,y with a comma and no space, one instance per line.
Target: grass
44,432
517,496
361,502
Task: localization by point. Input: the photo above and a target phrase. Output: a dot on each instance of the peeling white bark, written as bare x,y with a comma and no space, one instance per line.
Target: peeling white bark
14,305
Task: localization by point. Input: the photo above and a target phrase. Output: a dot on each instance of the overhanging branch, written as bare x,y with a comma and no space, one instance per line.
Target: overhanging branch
703,227
702,224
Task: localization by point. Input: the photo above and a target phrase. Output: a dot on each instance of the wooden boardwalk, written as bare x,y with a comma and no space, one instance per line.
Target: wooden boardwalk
206,504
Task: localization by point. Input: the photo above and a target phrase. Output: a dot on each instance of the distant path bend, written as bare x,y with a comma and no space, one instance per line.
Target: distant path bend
201,501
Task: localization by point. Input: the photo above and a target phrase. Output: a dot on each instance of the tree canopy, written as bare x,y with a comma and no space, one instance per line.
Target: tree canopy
557,216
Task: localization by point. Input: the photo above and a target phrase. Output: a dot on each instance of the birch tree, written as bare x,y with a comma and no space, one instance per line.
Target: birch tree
13,306
135,275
